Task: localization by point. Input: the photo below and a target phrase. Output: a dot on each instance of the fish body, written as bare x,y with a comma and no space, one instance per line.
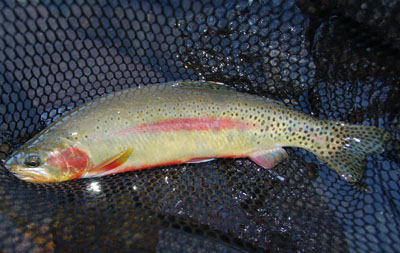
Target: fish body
182,122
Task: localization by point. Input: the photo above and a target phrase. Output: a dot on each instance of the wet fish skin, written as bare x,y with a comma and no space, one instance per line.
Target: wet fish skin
187,121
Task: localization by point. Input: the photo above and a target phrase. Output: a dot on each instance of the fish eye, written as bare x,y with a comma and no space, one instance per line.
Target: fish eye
32,161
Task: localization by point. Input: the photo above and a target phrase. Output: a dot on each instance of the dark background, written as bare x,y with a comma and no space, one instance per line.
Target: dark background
333,59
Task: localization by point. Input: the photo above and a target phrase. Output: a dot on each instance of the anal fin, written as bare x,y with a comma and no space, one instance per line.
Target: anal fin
112,162
268,158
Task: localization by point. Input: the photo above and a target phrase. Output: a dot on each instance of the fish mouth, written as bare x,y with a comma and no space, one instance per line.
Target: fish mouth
29,174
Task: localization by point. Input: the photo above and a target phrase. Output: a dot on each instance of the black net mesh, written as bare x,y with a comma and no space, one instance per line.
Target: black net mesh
334,59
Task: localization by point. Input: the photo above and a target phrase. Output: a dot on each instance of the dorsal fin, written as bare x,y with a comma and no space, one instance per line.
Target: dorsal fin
203,85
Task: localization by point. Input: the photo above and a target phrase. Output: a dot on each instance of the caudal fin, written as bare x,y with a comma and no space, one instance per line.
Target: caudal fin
349,147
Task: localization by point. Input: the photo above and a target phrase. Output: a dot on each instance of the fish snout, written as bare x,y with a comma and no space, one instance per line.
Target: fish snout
11,164
26,173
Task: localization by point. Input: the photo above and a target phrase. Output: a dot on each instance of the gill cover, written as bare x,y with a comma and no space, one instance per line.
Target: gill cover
72,163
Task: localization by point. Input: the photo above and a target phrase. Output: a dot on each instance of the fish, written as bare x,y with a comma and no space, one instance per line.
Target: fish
187,122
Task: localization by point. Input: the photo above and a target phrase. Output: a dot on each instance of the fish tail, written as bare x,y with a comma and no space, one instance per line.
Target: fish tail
348,146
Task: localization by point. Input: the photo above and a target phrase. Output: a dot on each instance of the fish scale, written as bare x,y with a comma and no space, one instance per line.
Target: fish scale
187,121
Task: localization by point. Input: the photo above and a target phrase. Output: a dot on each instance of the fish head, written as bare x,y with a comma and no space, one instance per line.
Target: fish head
52,164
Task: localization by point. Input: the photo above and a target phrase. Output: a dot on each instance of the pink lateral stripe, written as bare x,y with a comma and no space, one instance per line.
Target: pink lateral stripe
188,124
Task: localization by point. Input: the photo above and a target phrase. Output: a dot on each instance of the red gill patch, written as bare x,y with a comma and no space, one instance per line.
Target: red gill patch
72,160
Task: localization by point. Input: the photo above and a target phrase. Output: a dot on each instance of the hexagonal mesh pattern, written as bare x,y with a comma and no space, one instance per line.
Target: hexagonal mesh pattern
324,59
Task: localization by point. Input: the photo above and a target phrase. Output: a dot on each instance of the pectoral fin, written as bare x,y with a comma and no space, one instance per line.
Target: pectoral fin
268,158
112,162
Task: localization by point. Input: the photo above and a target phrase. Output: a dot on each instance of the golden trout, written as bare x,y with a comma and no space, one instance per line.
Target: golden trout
183,122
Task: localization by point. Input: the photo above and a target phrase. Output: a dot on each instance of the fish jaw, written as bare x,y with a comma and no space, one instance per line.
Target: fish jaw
38,175
35,175
13,164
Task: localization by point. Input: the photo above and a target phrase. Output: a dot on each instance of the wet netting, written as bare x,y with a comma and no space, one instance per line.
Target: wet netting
333,59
